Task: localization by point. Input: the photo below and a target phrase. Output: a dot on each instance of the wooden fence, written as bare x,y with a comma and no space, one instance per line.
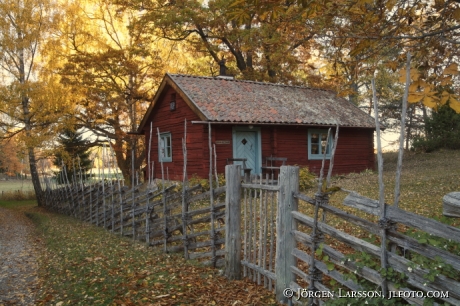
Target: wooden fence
266,236
176,220
320,263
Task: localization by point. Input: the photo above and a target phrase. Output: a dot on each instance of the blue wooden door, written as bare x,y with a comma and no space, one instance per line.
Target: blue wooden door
246,145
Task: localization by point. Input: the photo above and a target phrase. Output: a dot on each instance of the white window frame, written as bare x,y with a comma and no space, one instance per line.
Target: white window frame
165,155
321,133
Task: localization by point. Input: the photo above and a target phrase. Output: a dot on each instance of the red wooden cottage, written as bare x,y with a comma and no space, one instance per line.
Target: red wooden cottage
253,120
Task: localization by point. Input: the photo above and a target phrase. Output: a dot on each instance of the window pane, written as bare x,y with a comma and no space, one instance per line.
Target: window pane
319,144
168,141
314,149
162,147
168,152
323,146
315,138
165,147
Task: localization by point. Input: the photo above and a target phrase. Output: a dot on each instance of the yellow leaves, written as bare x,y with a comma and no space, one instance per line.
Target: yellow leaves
393,65
454,104
414,97
356,10
414,75
427,96
430,101
456,14
360,47
422,91
390,4
445,96
452,69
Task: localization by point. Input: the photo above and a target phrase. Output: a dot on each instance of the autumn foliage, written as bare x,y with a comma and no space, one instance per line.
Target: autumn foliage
10,162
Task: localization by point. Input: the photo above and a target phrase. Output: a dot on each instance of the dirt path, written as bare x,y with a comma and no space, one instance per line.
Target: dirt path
19,250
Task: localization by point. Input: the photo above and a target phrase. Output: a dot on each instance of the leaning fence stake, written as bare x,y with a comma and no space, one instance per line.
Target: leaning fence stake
211,193
215,166
165,232
401,135
184,193
148,156
133,185
383,221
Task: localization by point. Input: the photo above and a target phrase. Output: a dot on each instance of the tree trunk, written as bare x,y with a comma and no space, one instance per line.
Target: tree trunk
35,178
28,127
123,161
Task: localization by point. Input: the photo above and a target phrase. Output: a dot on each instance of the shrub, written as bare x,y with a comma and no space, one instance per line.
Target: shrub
307,179
195,180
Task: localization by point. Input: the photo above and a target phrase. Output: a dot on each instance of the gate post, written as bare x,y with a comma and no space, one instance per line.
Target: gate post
285,242
233,222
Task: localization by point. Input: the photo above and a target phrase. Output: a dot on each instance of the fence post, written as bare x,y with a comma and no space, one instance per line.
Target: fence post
233,222
285,242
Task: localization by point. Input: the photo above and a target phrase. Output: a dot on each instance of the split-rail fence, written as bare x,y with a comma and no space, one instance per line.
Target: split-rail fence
261,233
169,217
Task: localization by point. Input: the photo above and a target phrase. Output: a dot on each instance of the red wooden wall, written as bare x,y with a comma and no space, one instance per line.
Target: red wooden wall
173,122
355,151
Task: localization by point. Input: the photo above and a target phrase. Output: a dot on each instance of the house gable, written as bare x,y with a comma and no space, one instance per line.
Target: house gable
164,119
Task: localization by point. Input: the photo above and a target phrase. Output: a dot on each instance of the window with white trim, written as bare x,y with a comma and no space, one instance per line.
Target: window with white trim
165,148
318,144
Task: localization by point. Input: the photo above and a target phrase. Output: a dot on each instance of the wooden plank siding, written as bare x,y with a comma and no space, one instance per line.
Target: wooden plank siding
355,151
173,122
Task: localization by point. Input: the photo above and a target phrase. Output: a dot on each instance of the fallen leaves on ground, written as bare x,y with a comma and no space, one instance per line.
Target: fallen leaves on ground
19,249
86,265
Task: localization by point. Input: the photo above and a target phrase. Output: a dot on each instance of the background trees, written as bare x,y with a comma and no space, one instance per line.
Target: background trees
10,159
261,40
96,64
442,131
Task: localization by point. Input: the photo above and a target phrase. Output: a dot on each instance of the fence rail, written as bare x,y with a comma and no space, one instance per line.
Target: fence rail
154,216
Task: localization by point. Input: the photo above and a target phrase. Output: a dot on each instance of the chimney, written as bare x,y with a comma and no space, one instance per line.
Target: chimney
223,71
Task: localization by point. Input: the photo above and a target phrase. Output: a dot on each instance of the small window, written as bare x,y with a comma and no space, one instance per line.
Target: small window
318,144
172,104
165,148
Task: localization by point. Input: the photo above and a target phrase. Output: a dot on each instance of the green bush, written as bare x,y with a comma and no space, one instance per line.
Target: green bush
195,180
307,179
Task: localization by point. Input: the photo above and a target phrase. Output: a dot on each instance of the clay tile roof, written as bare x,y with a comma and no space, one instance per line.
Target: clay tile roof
229,100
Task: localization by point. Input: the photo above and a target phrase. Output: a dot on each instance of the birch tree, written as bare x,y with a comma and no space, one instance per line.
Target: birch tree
31,103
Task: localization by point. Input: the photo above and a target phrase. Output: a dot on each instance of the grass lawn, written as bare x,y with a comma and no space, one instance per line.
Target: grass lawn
18,205
425,179
15,185
16,190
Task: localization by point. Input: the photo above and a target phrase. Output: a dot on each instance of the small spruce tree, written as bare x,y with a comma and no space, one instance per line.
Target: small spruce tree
73,153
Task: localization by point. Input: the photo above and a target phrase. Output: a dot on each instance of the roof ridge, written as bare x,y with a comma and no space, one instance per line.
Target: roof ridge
249,81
